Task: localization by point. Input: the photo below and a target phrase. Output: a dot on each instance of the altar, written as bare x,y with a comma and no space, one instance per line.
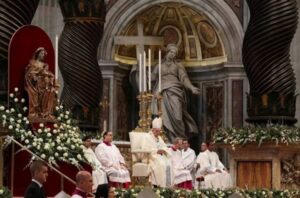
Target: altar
266,166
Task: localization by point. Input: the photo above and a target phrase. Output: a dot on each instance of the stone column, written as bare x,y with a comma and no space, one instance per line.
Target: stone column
78,44
267,61
13,15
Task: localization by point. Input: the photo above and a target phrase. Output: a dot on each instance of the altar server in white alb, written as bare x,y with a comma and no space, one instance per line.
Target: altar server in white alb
188,158
182,176
113,162
160,168
98,174
188,155
206,177
217,165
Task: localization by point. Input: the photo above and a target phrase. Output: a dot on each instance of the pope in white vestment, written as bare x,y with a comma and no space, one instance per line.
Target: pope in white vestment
113,162
98,174
160,168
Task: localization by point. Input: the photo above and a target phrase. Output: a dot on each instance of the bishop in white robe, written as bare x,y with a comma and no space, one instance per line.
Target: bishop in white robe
160,168
98,173
113,162
182,176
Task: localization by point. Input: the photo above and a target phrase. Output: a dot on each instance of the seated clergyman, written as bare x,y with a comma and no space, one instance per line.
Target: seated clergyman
98,174
113,162
188,158
182,176
160,166
208,173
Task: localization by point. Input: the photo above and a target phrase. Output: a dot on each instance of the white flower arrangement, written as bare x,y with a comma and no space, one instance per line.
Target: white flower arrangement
61,142
169,193
258,134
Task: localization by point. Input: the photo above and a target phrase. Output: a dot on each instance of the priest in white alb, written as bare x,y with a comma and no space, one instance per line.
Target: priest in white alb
188,155
206,176
160,168
188,158
218,166
113,162
182,176
98,174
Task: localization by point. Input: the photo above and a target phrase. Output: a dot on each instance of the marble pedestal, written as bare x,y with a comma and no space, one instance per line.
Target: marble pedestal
260,167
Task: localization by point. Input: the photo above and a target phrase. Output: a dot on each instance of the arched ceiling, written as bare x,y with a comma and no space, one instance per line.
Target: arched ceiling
198,40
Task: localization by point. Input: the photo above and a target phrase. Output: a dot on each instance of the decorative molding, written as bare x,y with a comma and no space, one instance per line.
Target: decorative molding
219,14
213,108
238,7
290,172
237,103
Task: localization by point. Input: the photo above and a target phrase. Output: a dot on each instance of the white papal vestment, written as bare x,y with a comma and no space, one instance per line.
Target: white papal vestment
160,167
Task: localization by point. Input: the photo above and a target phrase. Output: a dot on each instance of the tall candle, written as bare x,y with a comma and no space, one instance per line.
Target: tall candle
145,85
149,56
140,72
104,125
56,57
159,70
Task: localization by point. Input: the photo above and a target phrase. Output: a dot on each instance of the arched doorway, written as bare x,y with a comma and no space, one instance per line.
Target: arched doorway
210,36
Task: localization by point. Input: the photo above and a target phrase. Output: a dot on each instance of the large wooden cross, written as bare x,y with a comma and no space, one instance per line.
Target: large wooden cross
140,40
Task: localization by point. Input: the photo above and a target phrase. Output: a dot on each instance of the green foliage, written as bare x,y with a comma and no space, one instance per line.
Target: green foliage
5,192
174,193
259,134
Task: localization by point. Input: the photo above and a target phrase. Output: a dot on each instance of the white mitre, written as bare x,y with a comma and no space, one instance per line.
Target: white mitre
157,123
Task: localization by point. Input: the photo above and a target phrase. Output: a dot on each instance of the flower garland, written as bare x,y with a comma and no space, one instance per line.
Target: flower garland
5,192
61,142
172,193
249,134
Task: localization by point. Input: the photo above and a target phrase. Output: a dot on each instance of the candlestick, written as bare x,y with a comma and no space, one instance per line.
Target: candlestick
145,85
104,125
149,54
140,73
56,57
159,70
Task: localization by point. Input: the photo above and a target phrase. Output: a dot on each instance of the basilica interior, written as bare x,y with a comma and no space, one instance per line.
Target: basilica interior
242,55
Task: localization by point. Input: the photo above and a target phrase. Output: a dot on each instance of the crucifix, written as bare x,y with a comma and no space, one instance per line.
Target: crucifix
140,40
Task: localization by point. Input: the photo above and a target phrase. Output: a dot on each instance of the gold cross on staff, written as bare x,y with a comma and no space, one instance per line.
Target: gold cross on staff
104,104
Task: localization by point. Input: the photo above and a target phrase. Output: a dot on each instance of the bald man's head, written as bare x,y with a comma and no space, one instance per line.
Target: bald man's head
84,181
